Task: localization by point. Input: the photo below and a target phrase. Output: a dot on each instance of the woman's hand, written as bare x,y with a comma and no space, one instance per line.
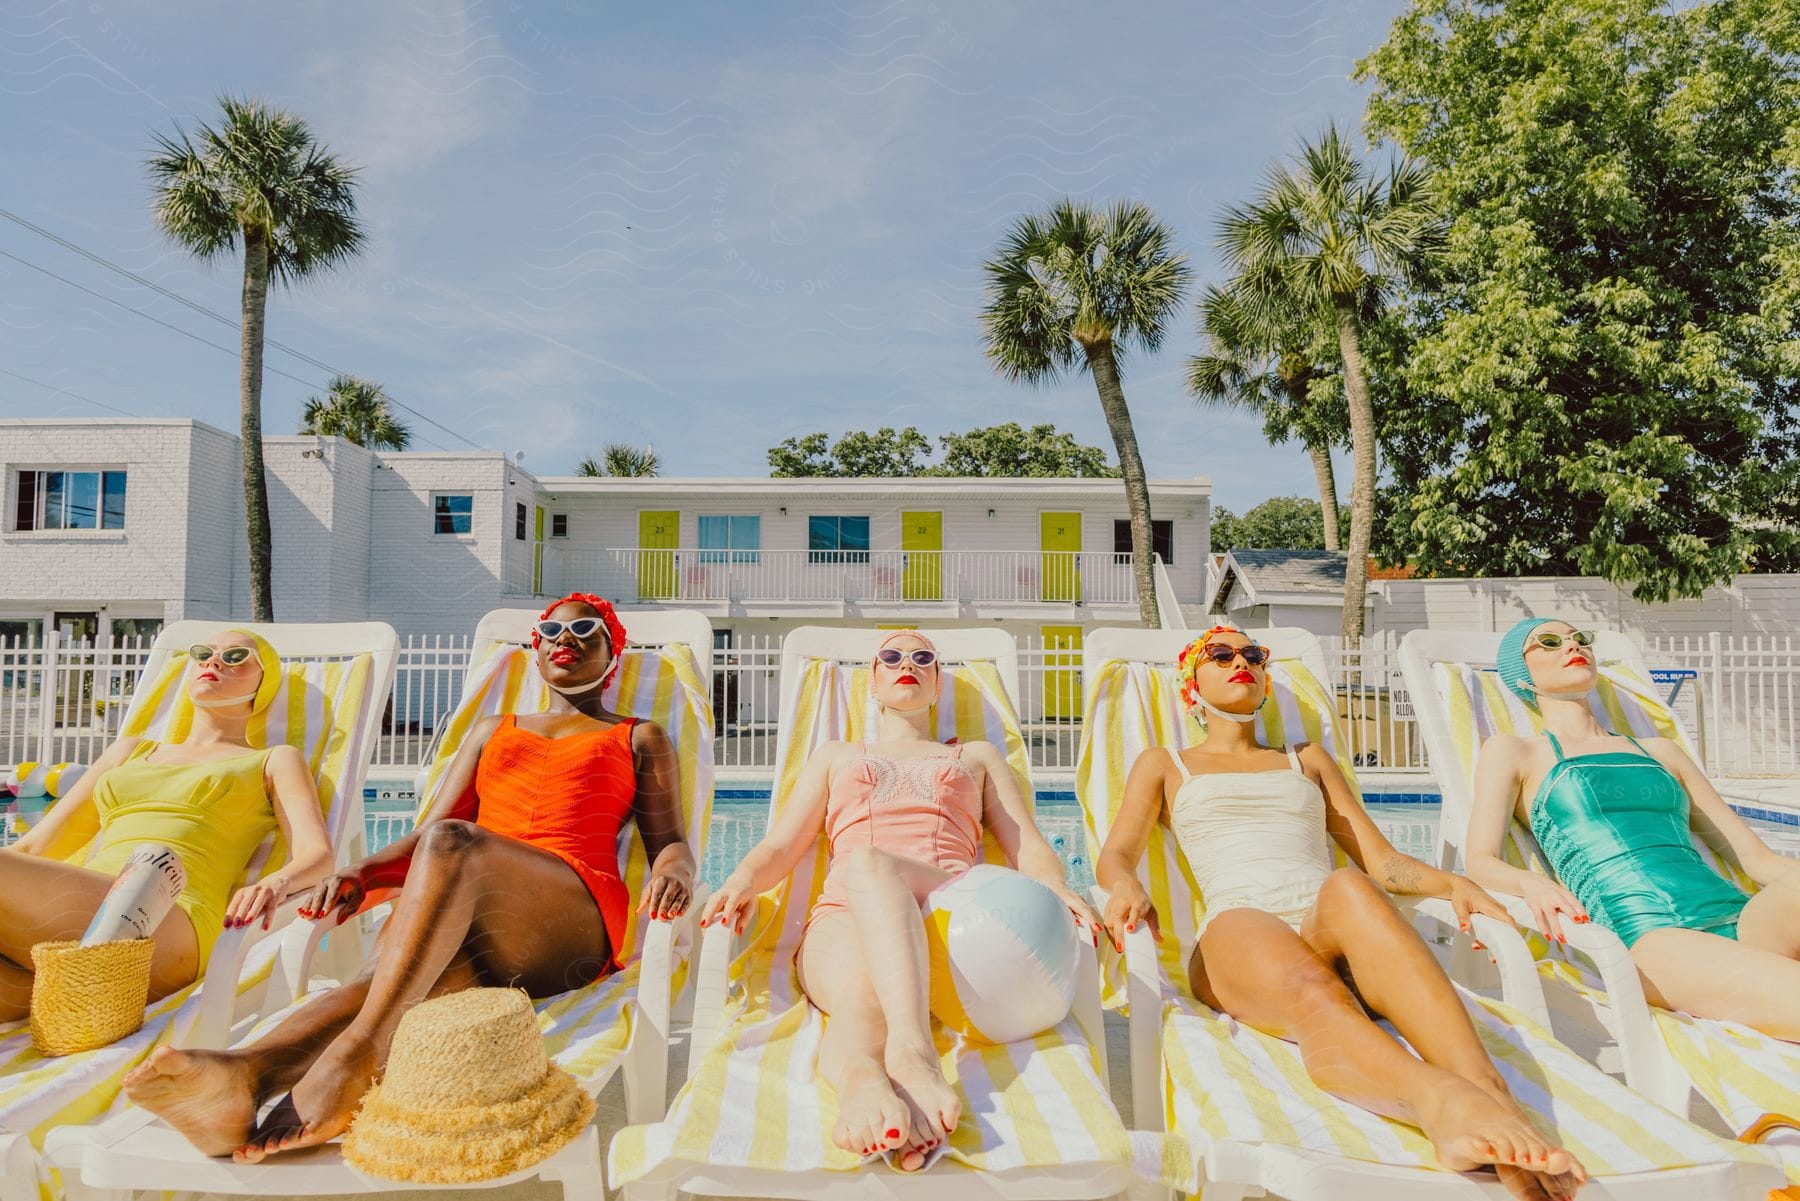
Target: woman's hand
341,894
255,900
1467,898
667,893
1086,920
731,905
1549,899
1128,905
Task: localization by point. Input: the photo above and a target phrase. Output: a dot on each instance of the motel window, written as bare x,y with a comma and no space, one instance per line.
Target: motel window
70,500
1162,540
453,513
519,520
730,538
559,525
837,539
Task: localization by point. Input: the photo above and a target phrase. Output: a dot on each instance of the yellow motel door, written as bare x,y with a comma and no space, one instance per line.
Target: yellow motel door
1062,672
537,555
922,538
658,535
1059,540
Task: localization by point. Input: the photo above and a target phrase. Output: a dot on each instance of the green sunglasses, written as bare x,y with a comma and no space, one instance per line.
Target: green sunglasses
1550,640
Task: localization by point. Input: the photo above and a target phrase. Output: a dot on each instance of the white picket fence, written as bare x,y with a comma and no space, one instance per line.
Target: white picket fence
1740,697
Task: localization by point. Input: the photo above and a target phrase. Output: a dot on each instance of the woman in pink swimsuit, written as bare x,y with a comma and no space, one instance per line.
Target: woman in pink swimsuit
903,815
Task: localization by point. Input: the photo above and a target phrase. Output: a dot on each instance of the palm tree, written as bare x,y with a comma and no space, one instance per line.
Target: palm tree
1076,288
1270,372
258,181
1328,240
621,459
358,410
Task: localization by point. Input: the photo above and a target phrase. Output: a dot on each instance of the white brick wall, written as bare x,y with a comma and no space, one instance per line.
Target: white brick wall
169,521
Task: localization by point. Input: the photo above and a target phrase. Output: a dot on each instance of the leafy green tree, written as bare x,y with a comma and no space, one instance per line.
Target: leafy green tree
884,453
257,182
621,460
1277,365
1328,240
1279,523
1075,288
999,450
1010,450
1604,379
358,410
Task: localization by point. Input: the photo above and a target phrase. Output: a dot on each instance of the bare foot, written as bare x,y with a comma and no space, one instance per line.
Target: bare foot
1556,1174
933,1105
320,1106
207,1095
1469,1129
871,1118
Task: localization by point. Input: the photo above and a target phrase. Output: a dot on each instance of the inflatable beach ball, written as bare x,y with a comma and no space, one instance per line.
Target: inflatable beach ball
39,779
1004,955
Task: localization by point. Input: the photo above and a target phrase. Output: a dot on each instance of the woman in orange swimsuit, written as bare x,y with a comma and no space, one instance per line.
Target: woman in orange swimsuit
903,815
512,879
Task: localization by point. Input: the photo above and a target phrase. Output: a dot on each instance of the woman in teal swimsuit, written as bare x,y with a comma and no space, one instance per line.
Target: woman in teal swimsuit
1615,817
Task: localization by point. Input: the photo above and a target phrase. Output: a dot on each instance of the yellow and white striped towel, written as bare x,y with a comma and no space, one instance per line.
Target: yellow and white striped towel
756,1101
1742,1073
319,709
1230,1089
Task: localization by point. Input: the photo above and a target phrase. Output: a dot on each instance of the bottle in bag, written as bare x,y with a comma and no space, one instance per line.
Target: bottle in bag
145,889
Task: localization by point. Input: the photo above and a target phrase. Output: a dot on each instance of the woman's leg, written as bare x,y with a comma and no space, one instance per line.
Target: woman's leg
884,892
45,900
1771,919
870,1114
1354,926
521,916
212,1096
1255,967
1714,977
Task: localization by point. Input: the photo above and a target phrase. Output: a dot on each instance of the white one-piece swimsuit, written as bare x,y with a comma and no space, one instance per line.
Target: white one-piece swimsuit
1254,839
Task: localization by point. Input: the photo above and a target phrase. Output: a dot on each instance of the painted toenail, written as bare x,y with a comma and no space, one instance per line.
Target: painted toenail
893,1133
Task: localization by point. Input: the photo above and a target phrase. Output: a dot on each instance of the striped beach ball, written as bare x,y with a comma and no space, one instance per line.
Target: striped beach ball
1004,955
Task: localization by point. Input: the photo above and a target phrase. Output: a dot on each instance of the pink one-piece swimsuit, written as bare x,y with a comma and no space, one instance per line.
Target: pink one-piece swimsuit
926,809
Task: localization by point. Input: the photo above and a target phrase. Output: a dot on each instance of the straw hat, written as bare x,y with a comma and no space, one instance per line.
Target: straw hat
468,1094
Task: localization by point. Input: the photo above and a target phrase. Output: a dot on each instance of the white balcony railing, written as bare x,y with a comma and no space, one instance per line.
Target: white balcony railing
870,577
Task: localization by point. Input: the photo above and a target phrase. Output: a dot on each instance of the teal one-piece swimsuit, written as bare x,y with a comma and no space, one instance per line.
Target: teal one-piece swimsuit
1614,826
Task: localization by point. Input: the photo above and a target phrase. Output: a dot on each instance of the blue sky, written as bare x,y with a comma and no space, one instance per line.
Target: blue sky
704,226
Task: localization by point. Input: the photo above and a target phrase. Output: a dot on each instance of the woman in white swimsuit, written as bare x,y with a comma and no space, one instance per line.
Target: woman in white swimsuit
1304,952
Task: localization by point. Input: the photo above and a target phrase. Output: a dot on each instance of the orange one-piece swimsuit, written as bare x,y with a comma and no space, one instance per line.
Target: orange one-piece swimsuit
568,796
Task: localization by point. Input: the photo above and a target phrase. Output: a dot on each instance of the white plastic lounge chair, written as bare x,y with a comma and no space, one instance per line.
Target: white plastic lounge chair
619,1024
337,683
754,1119
1663,1054
1244,1115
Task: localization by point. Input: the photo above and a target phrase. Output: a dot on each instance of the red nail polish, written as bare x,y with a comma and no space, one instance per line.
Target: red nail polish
893,1133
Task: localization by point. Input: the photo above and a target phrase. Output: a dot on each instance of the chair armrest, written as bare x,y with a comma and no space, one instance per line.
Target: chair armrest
1144,1016
718,947
208,1027
1649,1069
711,983
1520,985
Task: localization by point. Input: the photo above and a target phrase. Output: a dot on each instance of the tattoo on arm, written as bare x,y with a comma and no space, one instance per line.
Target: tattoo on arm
1404,874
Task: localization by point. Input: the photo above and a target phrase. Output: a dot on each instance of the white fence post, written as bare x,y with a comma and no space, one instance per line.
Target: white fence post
1713,753
47,698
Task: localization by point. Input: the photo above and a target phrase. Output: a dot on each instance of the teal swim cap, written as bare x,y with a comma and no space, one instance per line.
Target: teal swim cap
1511,659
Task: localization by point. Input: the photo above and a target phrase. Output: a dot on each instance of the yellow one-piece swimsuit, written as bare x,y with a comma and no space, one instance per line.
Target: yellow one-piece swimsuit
214,815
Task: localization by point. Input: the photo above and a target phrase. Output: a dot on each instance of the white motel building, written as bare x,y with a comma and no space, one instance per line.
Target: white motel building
112,527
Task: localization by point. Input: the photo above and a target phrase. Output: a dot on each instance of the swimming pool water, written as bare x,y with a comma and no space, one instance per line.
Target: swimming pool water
738,823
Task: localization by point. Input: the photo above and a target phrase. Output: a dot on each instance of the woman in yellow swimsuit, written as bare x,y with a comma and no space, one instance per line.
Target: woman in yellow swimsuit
212,797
